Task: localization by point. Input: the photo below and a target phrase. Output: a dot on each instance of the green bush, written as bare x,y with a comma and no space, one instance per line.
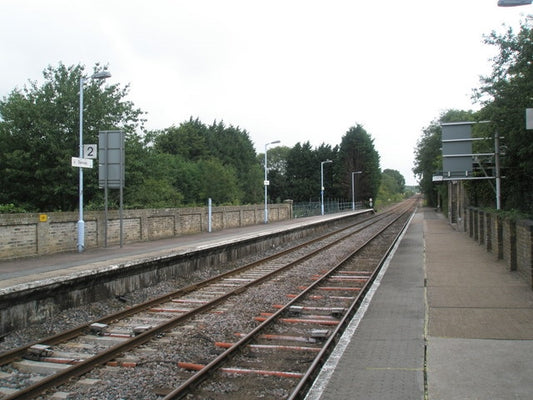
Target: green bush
10,209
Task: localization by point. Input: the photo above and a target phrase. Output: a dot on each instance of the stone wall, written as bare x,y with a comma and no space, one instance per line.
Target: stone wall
24,235
42,301
524,248
509,240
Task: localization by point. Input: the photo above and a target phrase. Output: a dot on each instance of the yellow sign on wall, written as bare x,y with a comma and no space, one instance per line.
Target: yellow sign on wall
43,217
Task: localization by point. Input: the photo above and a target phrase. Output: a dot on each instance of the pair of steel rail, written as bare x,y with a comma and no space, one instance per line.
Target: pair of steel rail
111,353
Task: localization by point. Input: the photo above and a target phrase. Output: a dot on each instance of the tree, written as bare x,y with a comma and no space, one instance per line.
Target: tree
151,182
428,160
212,158
357,153
234,149
397,182
387,190
39,133
505,94
428,153
219,182
303,177
189,140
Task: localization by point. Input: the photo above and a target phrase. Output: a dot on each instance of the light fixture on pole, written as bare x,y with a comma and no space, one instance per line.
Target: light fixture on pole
81,223
322,184
353,188
514,3
266,182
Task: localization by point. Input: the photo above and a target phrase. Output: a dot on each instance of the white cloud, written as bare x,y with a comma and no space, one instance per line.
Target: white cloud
290,70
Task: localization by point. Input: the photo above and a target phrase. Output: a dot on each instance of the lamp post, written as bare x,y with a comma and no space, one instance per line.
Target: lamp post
266,182
353,188
81,224
322,184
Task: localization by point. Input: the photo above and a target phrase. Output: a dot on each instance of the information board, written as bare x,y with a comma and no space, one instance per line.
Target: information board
111,159
457,149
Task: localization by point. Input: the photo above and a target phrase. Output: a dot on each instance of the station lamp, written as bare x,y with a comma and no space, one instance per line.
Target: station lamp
81,223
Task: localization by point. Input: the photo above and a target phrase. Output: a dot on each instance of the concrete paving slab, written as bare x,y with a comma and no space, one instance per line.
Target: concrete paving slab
471,294
479,296
466,369
480,321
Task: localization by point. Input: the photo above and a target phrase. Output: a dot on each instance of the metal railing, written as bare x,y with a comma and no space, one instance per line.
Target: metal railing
312,208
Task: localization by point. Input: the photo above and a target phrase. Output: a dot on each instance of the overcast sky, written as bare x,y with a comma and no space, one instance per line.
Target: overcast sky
286,70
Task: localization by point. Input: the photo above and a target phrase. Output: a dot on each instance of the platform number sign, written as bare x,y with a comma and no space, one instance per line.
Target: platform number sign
90,151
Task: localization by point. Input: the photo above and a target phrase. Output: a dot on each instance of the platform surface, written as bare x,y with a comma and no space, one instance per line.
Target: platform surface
444,301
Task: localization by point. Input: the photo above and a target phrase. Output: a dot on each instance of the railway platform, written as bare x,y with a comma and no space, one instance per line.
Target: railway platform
30,270
446,321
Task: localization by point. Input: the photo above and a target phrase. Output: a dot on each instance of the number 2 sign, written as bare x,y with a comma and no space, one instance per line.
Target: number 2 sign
90,150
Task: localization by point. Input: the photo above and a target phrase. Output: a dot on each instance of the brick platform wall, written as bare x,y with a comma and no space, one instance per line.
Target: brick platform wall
509,240
19,239
509,243
524,249
23,235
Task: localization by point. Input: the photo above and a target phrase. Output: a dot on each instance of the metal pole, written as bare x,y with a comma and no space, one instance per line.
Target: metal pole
121,190
106,216
266,186
497,165
353,192
81,223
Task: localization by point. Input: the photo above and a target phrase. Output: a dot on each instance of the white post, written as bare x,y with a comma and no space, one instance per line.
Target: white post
209,214
322,185
265,182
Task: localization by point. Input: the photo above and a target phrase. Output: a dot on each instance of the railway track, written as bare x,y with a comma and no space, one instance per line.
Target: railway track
282,313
